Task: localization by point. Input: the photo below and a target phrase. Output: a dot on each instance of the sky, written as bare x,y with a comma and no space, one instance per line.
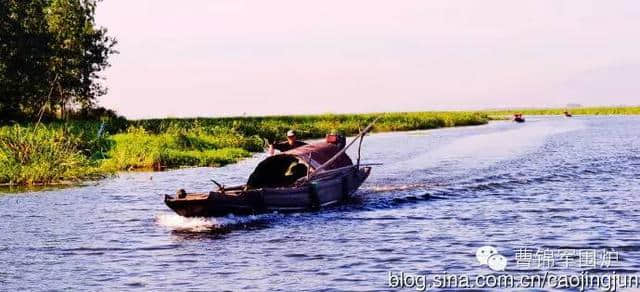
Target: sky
234,57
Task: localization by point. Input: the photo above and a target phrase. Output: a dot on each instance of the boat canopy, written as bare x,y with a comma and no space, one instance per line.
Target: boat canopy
286,168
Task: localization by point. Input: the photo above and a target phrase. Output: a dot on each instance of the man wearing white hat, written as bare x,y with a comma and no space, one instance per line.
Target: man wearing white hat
291,143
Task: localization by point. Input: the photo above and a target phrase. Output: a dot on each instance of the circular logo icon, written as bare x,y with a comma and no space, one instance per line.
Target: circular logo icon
488,255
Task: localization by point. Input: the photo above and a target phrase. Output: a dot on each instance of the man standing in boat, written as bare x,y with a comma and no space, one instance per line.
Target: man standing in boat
291,143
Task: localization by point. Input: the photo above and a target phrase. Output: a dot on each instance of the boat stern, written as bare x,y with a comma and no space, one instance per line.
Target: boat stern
215,203
188,204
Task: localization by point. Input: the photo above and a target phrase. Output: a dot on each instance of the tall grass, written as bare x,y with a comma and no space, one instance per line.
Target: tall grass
162,143
78,150
314,126
139,149
43,155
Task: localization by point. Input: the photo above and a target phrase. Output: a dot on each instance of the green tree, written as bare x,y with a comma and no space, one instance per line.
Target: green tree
51,54
25,55
81,51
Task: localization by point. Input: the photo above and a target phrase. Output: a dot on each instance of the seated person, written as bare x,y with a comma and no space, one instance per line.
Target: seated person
291,143
335,138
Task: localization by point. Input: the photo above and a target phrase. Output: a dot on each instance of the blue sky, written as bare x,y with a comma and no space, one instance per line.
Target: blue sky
233,57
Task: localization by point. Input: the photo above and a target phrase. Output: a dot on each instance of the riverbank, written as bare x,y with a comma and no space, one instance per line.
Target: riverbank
78,150
63,153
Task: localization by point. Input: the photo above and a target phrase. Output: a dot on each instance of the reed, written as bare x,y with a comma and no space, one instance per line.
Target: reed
77,150
314,126
139,149
45,155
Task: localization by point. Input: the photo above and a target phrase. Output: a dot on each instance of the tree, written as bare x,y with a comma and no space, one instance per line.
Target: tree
81,51
24,57
51,54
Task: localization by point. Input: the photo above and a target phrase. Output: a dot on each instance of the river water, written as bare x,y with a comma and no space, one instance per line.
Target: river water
549,184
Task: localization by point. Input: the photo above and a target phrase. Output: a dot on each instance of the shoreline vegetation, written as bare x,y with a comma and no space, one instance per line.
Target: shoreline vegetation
76,150
613,110
67,152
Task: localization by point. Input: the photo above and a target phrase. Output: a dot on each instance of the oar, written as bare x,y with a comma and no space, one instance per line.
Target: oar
360,135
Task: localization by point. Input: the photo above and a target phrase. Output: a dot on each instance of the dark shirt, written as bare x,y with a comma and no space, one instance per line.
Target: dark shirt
285,146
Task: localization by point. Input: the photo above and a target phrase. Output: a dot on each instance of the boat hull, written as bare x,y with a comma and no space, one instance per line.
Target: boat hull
324,191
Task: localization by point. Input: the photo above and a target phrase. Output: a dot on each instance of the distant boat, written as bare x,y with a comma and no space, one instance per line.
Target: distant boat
567,114
518,118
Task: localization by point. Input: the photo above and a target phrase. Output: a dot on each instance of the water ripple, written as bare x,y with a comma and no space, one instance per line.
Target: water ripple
549,183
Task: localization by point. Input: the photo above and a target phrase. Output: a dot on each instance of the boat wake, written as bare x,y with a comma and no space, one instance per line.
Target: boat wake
179,223
398,187
479,151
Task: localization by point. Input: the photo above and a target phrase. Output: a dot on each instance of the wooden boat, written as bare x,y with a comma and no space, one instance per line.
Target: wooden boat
305,178
518,118
567,114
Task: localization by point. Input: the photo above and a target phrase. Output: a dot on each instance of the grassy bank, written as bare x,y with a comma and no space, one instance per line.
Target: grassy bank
48,154
77,150
626,110
66,152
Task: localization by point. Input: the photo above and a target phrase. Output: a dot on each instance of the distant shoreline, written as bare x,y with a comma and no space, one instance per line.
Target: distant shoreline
593,110
619,110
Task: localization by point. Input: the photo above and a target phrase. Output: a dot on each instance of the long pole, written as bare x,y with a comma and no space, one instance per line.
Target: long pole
359,148
362,133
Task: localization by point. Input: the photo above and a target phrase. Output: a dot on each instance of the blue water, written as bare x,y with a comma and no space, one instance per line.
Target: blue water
553,183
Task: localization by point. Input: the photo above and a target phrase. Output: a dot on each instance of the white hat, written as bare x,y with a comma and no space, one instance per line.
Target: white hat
291,133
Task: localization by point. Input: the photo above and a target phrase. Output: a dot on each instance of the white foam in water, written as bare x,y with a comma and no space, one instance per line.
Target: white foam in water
400,187
200,224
